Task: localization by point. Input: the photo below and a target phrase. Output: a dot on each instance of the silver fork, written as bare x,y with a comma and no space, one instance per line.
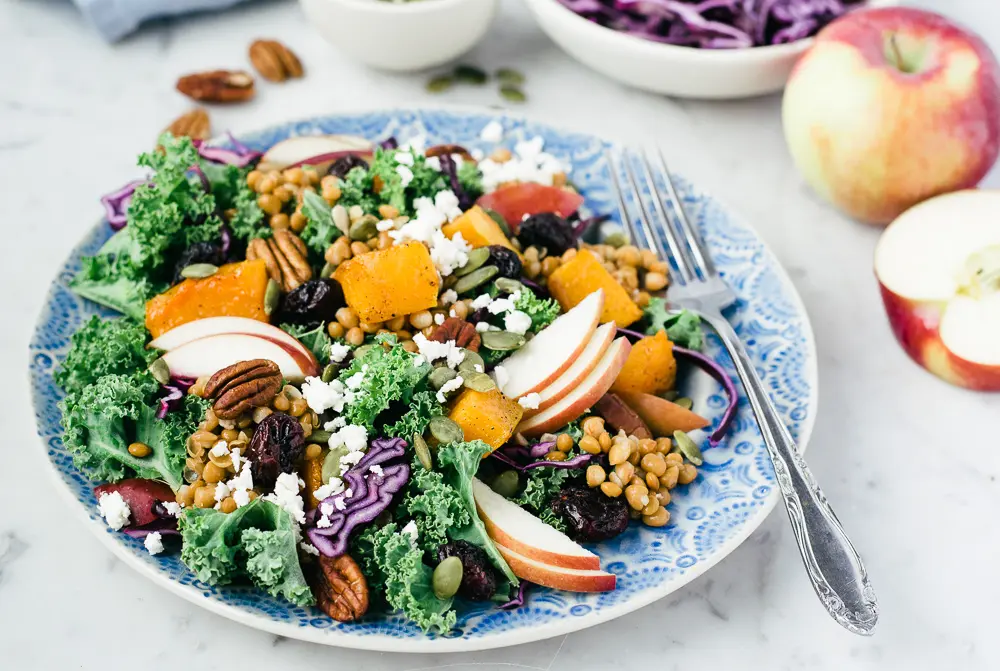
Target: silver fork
835,568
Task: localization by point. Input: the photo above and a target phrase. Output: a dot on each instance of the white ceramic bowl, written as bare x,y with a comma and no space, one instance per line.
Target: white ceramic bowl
664,68
401,36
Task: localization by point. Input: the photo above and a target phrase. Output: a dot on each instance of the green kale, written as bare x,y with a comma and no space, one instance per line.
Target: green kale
358,186
423,407
104,347
314,337
683,327
386,376
258,540
320,231
356,189
109,278
542,484
471,179
434,505
231,191
543,311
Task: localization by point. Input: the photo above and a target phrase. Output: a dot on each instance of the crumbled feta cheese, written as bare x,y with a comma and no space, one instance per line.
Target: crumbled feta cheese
114,509
492,132
286,495
433,162
448,297
322,396
234,455
481,301
335,423
448,387
220,449
439,318
517,322
404,157
323,522
478,368
309,548
350,459
339,351
501,377
332,488
376,469
240,486
385,225
456,355
222,490
339,503
449,253
417,143
499,305
529,401
405,174
153,543
482,327
355,381
425,226
353,436
446,203
172,508
527,164
241,497
432,350
411,530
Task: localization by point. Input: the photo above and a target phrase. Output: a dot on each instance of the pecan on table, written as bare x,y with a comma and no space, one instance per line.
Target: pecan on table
243,386
194,124
340,588
218,86
274,61
285,255
462,332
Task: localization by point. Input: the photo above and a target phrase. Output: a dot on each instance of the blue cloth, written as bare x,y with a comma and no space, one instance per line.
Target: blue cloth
115,19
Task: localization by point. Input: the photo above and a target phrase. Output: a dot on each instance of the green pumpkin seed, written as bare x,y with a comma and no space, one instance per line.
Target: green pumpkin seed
502,340
508,285
197,271
480,382
360,352
329,372
423,451
616,239
272,296
469,363
498,218
506,484
671,395
439,84
684,402
447,577
513,94
446,430
510,76
470,74
319,436
331,464
476,278
688,448
327,270
364,228
160,371
439,377
477,257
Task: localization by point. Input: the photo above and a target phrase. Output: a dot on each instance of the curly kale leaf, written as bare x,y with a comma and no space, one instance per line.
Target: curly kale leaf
541,486
471,179
543,311
434,505
104,347
358,186
683,328
231,191
320,231
384,377
110,278
314,337
424,406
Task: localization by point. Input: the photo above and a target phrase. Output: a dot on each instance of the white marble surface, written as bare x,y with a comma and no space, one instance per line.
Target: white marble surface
902,456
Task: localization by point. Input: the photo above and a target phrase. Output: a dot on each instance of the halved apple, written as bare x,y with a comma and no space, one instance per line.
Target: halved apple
938,265
205,356
515,528
318,150
556,577
578,370
210,326
575,403
554,349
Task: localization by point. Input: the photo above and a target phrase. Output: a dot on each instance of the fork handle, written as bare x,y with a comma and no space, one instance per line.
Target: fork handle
835,568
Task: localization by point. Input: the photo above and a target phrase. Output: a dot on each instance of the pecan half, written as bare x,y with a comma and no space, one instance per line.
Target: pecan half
462,332
285,254
218,86
340,588
243,386
194,124
274,61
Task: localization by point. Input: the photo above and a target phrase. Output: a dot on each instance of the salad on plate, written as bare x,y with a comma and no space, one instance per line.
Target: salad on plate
378,377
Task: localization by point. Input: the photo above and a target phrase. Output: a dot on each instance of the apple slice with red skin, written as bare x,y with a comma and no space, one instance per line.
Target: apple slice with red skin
583,397
512,526
556,577
663,417
210,326
205,356
938,265
516,201
578,370
140,495
317,150
553,349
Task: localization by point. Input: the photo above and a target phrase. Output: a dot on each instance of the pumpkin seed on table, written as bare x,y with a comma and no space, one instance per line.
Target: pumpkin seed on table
445,430
439,84
160,371
475,279
272,295
502,340
510,76
480,382
197,271
364,228
319,436
513,94
439,377
506,484
469,363
684,402
447,578
477,257
688,448
470,74
423,451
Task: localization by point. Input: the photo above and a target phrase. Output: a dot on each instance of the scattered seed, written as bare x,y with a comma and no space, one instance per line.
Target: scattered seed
470,74
320,436
160,371
327,270
506,484
364,228
197,271
439,84
513,94
469,363
480,382
477,257
616,239
423,451
447,578
684,402
271,296
446,430
502,340
360,352
688,448
329,372
508,285
510,76
441,376
476,278
671,395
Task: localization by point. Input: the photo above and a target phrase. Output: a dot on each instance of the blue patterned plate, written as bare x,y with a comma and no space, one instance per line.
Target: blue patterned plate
710,518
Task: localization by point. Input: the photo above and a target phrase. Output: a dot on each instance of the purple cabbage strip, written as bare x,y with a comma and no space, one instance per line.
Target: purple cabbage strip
226,238
116,204
165,526
518,600
175,394
389,143
541,449
579,461
450,170
371,494
241,155
205,183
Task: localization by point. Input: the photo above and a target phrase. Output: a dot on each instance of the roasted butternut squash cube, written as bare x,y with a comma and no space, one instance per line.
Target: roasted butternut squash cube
584,274
389,283
487,416
650,367
236,290
477,228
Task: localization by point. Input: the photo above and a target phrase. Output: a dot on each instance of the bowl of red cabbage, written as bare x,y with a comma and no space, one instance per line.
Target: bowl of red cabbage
710,49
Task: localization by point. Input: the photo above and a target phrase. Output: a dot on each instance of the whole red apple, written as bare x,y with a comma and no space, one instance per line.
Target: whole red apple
890,107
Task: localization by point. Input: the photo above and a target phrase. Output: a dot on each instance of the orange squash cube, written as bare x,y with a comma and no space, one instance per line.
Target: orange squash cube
389,283
236,290
487,416
650,367
477,228
584,274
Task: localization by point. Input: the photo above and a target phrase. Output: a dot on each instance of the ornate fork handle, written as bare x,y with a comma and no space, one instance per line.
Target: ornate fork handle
835,569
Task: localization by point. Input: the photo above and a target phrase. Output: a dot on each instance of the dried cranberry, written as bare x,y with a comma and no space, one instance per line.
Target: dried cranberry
277,443
314,301
506,260
590,515
199,252
345,164
479,581
547,230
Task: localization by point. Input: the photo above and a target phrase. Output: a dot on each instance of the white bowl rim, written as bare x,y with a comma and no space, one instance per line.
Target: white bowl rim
407,7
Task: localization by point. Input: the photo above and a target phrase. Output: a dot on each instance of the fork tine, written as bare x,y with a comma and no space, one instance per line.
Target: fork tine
620,197
685,264
703,260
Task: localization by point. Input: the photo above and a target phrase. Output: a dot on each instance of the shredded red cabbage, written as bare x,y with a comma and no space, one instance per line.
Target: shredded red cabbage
240,155
450,170
714,24
116,204
175,391
370,494
510,456
389,143
518,600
